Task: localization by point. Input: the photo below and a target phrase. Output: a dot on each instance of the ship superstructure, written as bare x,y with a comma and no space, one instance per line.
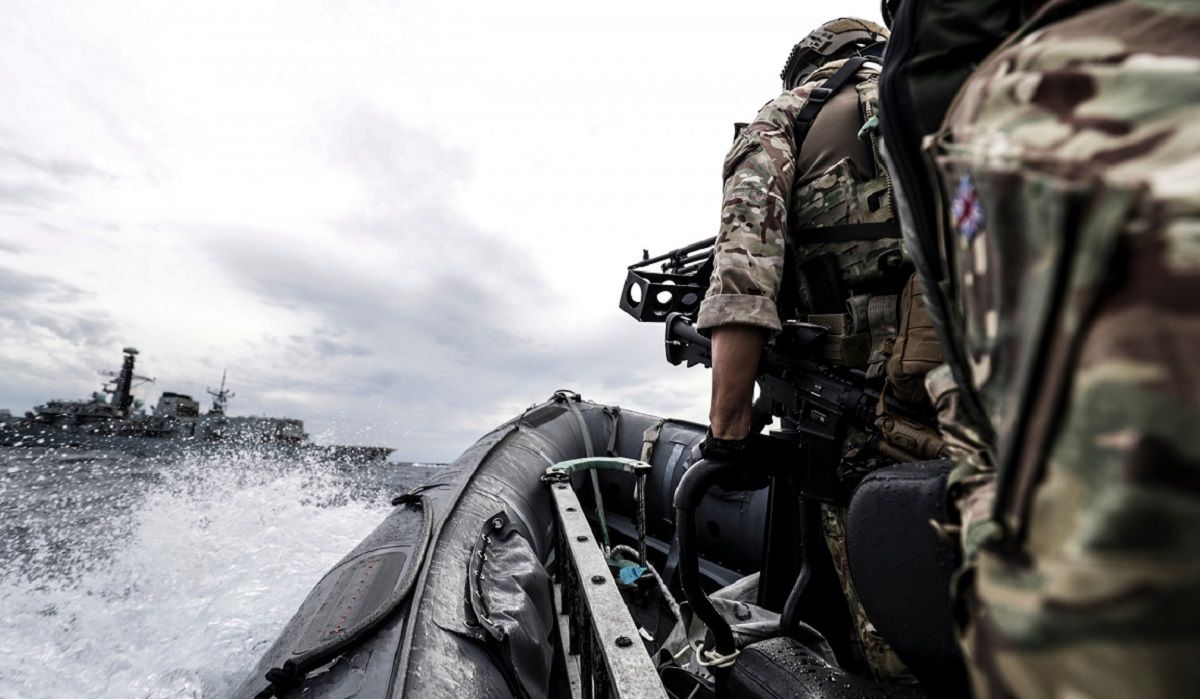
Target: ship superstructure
114,419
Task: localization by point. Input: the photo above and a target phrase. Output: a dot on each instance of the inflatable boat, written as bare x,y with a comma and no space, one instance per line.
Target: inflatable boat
584,550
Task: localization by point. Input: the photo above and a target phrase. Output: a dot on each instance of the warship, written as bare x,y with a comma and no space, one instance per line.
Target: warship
113,419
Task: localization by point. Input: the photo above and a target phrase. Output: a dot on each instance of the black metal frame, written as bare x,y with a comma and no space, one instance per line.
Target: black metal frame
678,288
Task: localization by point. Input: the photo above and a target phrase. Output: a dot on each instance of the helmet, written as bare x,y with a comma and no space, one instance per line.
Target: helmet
839,38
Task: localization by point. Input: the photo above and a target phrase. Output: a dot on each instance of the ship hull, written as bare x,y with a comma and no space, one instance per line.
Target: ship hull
140,443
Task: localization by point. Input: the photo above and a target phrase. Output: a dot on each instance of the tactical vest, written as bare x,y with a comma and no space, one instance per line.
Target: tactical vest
845,249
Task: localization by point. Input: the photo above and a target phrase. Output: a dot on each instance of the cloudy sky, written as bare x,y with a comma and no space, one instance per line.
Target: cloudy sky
401,221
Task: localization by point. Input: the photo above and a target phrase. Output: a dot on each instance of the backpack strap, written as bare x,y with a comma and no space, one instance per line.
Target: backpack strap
820,95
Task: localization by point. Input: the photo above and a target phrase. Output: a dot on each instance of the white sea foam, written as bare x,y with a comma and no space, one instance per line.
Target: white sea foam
178,593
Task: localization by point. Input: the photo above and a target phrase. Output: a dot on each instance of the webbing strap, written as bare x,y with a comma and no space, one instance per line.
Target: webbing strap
883,320
650,438
820,95
845,350
817,99
614,417
883,323
849,233
877,315
573,406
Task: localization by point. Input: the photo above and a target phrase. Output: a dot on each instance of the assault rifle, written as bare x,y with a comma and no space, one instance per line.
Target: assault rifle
816,401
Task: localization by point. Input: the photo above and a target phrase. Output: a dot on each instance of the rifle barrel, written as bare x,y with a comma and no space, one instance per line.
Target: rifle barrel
675,253
681,263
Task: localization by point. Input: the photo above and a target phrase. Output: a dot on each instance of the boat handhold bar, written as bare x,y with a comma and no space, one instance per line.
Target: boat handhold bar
562,471
691,489
789,619
696,482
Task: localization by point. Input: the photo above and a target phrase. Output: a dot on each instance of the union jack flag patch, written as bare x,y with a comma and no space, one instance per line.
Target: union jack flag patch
966,210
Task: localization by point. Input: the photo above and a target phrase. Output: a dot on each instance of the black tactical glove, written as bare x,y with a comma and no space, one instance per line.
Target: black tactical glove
718,449
736,452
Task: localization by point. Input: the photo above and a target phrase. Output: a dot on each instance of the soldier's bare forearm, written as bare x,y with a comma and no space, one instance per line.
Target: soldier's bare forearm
735,353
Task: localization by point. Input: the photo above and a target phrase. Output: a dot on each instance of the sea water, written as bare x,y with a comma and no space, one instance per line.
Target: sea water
124,576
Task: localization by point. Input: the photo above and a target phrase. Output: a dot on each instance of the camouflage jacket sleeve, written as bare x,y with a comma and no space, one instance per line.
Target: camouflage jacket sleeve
748,263
1070,169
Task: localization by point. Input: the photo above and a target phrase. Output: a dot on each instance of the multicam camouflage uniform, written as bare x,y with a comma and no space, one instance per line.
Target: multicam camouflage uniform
763,202
765,218
1070,174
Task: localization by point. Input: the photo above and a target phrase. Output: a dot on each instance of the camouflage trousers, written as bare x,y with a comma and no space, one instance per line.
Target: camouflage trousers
883,662
859,459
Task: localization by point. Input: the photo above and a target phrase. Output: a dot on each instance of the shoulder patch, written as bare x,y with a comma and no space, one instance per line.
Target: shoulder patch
966,209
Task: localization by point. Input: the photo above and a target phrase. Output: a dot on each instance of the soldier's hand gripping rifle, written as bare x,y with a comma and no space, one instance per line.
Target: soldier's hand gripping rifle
817,401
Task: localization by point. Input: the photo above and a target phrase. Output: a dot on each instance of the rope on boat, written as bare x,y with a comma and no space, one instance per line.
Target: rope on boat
639,497
672,604
710,658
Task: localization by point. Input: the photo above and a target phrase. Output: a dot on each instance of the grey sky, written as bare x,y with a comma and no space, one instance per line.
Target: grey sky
403,222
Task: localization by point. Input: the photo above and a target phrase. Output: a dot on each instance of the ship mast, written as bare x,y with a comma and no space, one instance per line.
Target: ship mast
122,389
220,397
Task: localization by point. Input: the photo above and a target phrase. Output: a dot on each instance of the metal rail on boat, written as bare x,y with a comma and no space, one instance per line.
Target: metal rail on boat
612,659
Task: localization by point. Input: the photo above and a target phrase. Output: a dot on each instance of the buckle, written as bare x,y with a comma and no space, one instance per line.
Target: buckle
819,95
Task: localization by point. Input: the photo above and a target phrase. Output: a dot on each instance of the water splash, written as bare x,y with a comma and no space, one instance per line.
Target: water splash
143,579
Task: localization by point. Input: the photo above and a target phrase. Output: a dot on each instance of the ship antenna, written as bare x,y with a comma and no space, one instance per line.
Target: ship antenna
220,396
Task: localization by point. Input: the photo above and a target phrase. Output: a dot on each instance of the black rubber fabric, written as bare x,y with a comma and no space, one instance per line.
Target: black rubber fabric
782,667
901,569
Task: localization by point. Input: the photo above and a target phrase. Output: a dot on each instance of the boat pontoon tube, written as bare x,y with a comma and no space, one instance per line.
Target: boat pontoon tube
451,595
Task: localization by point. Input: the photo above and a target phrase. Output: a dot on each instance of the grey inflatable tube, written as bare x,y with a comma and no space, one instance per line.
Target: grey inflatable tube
451,595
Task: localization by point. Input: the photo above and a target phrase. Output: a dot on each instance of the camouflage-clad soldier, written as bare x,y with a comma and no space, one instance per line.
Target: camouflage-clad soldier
1069,168
808,233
